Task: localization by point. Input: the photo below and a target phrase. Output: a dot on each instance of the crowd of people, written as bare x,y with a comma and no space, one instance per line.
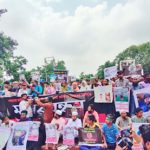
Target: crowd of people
17,88
110,130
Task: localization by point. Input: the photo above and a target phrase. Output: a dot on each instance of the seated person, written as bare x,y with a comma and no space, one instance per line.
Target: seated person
91,123
123,122
138,118
90,111
59,121
110,132
75,122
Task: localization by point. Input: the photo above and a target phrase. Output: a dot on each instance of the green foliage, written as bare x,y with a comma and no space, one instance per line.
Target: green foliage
100,71
141,54
85,76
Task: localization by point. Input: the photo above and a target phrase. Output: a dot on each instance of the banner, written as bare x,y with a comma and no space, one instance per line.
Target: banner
103,94
61,75
142,100
121,98
110,72
90,136
68,136
52,134
19,136
34,131
4,136
11,104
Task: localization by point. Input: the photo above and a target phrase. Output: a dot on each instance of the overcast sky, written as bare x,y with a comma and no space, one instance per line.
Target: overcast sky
83,33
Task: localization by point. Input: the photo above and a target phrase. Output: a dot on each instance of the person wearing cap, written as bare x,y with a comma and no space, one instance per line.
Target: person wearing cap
138,118
47,104
58,120
23,90
75,123
121,81
123,122
110,132
84,86
25,104
90,111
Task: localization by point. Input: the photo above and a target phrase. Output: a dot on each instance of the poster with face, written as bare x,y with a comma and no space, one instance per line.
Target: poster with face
4,136
34,131
89,136
121,98
52,134
110,72
103,94
142,100
19,136
68,136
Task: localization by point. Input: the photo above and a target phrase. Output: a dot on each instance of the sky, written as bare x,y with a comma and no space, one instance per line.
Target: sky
83,33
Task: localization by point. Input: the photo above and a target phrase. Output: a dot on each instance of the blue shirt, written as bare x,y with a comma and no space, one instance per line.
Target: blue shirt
110,133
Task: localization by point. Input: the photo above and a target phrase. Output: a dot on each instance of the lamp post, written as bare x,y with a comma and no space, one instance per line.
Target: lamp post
48,60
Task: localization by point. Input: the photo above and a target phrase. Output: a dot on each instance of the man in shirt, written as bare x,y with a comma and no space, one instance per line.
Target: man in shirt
47,104
23,116
123,122
138,118
121,81
110,132
75,123
25,104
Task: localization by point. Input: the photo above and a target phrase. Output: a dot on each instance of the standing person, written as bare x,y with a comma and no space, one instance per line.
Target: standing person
105,82
15,87
46,88
90,111
121,81
84,86
64,87
25,104
24,89
110,132
94,82
123,122
138,118
36,89
23,116
146,82
75,87
59,121
48,106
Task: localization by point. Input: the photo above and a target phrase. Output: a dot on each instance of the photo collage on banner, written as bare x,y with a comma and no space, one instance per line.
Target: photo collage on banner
52,134
142,100
68,136
19,136
121,98
103,94
110,72
34,131
90,136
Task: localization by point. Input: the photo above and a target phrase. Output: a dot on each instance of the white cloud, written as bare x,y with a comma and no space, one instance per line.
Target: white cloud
84,40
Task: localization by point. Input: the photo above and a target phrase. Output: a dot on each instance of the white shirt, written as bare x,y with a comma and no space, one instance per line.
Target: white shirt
23,106
77,123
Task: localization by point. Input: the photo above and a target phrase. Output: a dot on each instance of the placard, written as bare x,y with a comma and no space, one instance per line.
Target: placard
110,72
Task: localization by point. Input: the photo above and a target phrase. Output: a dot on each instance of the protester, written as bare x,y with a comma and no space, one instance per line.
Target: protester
24,89
121,81
135,83
6,122
110,132
23,116
138,118
105,82
123,122
75,87
59,121
91,123
25,104
47,104
52,88
36,89
7,89
94,82
15,87
146,82
64,87
75,123
90,111
46,88
84,86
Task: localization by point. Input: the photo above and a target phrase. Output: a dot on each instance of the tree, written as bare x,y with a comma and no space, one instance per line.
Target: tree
100,71
85,76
